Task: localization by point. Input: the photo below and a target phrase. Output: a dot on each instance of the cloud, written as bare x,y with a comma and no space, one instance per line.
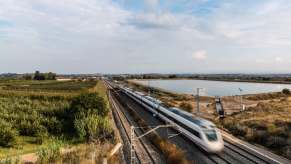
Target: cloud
118,36
152,3
278,59
258,24
154,21
199,55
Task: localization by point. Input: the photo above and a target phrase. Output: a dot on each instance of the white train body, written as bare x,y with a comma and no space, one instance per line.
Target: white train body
202,132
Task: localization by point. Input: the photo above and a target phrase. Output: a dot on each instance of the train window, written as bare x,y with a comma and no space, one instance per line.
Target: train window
196,133
211,135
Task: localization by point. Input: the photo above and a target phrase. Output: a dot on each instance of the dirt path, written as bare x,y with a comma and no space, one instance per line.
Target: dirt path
29,158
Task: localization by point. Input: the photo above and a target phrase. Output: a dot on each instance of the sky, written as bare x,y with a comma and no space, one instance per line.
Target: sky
145,36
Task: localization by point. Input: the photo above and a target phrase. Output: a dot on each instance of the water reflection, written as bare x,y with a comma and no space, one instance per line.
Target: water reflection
214,88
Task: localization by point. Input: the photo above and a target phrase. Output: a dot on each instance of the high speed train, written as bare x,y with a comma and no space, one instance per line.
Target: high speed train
202,132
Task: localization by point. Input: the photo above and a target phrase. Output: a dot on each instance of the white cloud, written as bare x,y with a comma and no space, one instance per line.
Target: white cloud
101,36
270,60
153,21
264,24
152,3
278,59
199,55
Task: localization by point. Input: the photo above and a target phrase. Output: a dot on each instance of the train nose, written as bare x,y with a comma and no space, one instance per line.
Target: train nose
216,148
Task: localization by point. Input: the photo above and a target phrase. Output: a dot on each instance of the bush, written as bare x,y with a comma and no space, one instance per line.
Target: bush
92,127
278,131
40,137
90,116
186,106
276,142
88,104
259,136
258,125
234,128
7,134
286,91
98,127
53,125
50,154
172,153
79,125
34,128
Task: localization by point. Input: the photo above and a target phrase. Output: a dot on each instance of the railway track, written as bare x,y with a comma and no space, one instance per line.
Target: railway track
165,133
117,118
250,157
143,152
232,154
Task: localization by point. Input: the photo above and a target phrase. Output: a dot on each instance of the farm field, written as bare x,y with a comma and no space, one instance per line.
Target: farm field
35,114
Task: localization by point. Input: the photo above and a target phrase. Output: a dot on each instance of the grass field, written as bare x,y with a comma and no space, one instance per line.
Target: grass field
101,89
37,111
68,86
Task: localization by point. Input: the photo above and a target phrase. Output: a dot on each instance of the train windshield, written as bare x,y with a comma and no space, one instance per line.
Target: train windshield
211,135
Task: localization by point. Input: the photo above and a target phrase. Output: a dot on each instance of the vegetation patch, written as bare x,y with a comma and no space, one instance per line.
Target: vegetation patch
267,96
186,106
90,112
267,124
33,116
68,86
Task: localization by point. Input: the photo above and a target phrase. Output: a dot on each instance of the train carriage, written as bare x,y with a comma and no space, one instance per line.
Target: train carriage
202,132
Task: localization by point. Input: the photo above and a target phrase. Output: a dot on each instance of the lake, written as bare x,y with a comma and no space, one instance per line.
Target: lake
214,88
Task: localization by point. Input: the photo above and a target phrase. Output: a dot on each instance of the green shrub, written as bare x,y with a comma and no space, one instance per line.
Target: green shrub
52,124
259,136
50,154
87,104
28,128
7,134
79,125
235,128
238,130
98,127
6,161
93,127
40,137
89,112
286,91
257,125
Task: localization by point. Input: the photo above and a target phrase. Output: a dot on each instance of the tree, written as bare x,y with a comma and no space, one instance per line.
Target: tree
286,91
36,75
87,104
39,76
89,114
172,76
27,77
7,134
44,76
51,76
92,127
